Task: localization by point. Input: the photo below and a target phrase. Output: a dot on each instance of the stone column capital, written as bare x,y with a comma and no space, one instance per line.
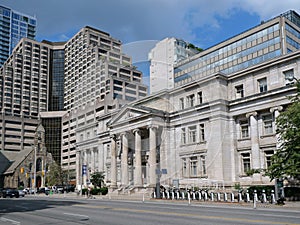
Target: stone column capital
113,136
124,134
136,130
277,108
251,114
152,127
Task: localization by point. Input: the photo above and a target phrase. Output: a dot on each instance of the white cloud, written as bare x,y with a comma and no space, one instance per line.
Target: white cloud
135,20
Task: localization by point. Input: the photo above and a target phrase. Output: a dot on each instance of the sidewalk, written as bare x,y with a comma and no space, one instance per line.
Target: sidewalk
289,205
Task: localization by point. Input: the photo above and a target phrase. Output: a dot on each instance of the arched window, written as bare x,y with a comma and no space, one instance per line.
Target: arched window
38,164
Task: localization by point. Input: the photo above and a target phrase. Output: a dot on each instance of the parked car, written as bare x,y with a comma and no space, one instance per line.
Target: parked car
44,190
28,191
21,193
9,192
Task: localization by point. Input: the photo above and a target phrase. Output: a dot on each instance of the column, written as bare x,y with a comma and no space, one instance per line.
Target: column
78,170
124,159
113,162
152,156
101,158
85,163
255,154
138,158
276,111
92,161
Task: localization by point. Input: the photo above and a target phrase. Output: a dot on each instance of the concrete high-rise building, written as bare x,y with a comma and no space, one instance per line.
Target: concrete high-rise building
29,81
163,57
268,40
99,78
14,26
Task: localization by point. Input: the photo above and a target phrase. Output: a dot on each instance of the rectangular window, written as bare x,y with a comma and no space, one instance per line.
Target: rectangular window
190,100
181,103
193,166
203,165
268,156
200,97
239,90
268,124
201,132
246,162
184,168
244,126
192,134
262,84
289,76
183,136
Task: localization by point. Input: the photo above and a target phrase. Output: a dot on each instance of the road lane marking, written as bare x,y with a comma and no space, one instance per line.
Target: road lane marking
85,217
185,215
11,221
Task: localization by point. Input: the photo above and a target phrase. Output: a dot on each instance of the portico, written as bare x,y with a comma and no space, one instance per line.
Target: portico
136,153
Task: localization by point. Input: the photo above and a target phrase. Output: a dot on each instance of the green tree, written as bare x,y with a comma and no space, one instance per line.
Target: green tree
55,175
97,179
286,161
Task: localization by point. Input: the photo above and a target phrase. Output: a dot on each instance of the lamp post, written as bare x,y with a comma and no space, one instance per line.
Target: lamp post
34,172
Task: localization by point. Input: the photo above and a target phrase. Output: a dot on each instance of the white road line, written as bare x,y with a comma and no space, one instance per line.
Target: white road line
11,221
78,215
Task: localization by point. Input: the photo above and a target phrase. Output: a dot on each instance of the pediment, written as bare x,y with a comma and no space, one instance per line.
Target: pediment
128,113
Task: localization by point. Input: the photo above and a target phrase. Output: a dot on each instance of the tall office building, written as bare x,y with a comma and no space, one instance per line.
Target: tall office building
99,78
268,40
163,57
14,26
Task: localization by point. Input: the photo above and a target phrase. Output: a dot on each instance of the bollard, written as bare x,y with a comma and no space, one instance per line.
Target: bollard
194,196
254,199
199,195
240,197
163,195
273,197
232,197
212,196
173,196
177,195
205,196
264,197
154,194
168,195
247,197
188,195
225,197
218,197
182,196
255,196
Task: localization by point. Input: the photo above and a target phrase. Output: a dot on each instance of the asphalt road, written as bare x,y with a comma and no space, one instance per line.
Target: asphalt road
43,210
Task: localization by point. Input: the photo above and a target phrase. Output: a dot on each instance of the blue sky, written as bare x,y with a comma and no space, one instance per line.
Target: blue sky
201,22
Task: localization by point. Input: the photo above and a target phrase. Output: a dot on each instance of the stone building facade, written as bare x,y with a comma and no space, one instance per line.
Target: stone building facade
218,131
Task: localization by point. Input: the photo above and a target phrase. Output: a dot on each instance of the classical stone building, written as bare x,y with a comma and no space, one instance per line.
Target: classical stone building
208,133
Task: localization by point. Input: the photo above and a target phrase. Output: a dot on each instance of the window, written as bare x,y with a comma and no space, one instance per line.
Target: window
192,134
193,166
191,100
268,124
184,168
201,132
262,83
289,76
246,162
244,126
200,97
181,103
203,165
268,156
183,136
239,90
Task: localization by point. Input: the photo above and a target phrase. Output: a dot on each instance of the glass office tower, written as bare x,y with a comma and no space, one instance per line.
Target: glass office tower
14,25
270,39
